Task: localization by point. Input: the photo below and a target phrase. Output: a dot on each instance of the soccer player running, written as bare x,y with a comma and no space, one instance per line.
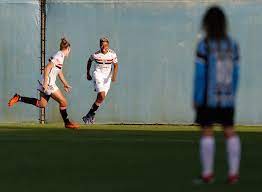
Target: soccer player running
215,87
48,88
104,59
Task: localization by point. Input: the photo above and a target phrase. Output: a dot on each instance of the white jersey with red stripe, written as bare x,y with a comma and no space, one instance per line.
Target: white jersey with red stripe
57,60
104,61
103,69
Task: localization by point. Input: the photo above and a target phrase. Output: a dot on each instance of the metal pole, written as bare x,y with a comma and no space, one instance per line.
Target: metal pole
43,41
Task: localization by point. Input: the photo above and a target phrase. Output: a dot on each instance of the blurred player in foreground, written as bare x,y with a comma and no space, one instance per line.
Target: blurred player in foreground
215,88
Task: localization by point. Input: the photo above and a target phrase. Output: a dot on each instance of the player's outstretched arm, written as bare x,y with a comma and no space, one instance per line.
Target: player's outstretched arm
61,76
88,67
115,71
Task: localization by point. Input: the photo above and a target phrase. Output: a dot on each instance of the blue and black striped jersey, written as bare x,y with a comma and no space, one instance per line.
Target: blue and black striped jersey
216,73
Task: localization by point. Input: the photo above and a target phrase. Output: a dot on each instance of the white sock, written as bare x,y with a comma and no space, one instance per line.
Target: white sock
233,154
207,151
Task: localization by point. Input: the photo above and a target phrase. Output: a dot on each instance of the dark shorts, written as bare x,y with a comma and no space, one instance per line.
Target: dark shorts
210,116
42,94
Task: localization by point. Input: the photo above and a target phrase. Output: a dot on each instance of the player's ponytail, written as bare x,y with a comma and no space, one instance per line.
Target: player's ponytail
64,44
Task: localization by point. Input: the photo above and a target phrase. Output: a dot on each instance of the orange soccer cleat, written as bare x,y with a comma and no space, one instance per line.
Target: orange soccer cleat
71,125
14,100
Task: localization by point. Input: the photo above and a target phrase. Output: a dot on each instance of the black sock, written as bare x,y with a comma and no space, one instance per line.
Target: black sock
93,109
32,101
64,115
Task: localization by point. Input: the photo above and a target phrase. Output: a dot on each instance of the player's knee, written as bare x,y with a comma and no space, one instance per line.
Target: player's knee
41,104
207,131
229,132
100,98
63,103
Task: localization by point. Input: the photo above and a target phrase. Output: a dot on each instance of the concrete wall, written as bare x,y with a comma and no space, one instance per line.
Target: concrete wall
19,57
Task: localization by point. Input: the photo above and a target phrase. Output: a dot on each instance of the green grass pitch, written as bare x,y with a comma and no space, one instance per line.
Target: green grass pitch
118,158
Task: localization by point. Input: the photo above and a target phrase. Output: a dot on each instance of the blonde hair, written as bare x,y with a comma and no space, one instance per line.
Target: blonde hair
64,44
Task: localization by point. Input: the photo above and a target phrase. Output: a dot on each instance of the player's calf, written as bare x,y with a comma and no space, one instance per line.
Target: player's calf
68,124
89,118
63,111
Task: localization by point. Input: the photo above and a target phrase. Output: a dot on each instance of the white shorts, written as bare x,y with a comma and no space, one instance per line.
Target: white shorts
102,82
51,88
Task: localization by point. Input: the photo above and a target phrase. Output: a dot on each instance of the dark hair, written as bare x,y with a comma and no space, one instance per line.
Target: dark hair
64,44
103,39
214,23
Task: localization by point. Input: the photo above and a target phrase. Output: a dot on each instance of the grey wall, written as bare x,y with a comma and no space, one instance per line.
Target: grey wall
155,43
19,57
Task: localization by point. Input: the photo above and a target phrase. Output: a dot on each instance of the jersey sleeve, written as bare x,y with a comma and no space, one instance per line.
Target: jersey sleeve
201,53
236,56
236,60
200,73
115,60
56,60
92,58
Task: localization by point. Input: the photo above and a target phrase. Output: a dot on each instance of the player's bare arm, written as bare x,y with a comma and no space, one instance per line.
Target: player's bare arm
61,76
88,67
115,71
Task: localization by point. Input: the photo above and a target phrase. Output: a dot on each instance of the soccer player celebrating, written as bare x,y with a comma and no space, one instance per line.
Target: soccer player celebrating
215,87
104,59
48,88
